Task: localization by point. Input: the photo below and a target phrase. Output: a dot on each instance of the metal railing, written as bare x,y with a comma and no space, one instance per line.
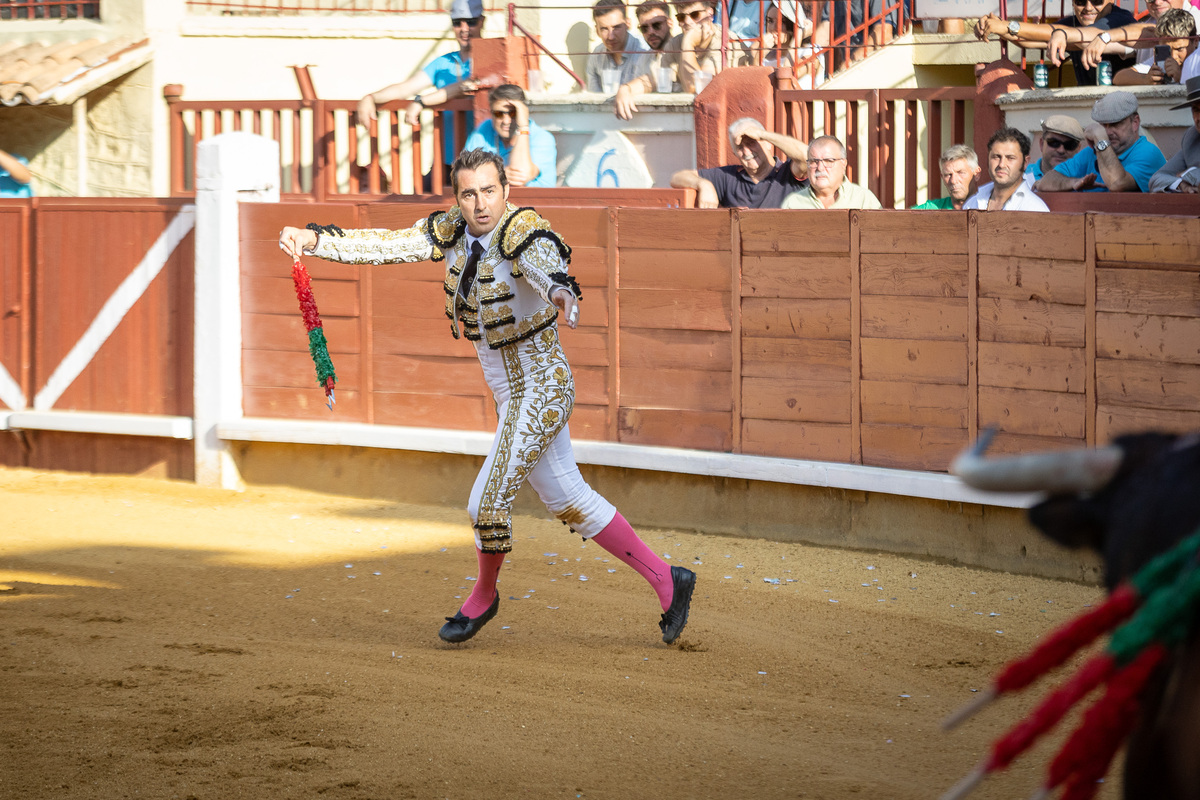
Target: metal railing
49,9
893,137
324,154
302,7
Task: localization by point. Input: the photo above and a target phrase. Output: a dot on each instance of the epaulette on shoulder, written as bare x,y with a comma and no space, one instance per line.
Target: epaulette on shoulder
445,227
524,227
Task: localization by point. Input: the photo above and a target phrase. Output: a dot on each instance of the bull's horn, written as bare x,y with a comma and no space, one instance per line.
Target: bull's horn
1056,472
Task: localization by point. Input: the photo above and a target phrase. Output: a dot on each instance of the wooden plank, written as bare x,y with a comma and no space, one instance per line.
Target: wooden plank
735,331
1117,420
1011,444
1089,331
591,385
809,359
1151,239
796,276
589,422
793,231
790,318
906,447
579,227
450,411
972,327
301,403
793,399
699,430
585,346
1148,337
284,369
418,338
907,403
1161,266
675,388
278,296
1141,291
398,215
901,274
650,348
589,265
675,309
914,360
856,328
939,318
263,257
1030,234
675,269
1032,412
286,332
915,235
1017,278
1030,321
427,375
1032,366
263,221
393,295
807,440
673,229
1148,384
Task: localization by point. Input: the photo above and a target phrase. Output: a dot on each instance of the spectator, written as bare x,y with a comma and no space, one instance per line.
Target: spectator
863,13
827,184
1101,15
14,176
654,23
700,43
960,168
1118,159
1093,46
786,28
618,48
1182,172
1174,30
1061,136
529,150
1009,191
760,181
449,75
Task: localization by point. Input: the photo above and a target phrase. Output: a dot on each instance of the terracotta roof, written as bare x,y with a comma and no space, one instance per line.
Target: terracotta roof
37,73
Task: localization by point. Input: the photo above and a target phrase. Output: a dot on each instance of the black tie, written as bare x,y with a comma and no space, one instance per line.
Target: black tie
468,273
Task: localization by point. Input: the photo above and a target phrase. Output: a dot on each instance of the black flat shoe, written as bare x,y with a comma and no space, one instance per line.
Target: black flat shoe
675,617
460,627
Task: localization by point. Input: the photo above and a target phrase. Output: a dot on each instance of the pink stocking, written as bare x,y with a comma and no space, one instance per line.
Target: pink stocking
485,586
619,539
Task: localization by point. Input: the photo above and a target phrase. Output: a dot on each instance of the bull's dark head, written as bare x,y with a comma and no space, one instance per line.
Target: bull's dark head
1129,501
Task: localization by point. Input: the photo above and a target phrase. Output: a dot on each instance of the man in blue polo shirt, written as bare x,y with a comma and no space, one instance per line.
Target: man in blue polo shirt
1120,158
14,176
529,151
759,181
449,75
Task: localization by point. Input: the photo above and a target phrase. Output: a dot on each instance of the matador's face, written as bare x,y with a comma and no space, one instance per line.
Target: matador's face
481,198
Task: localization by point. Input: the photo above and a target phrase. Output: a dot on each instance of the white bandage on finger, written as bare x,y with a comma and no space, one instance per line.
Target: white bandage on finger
574,315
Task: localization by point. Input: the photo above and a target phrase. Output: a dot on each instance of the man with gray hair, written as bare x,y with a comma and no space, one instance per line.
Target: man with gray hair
827,184
1120,158
759,181
960,167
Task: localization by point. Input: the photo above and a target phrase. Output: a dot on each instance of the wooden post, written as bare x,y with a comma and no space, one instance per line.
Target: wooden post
735,327
1089,329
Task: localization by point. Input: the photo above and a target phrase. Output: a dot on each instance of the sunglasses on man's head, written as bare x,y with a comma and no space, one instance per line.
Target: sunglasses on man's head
695,15
653,25
1060,144
472,21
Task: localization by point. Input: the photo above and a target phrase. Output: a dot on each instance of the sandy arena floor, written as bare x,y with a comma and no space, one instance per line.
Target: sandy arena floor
163,641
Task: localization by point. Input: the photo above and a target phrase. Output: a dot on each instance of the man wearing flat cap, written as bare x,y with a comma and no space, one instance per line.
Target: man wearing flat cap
1118,159
1061,137
1182,172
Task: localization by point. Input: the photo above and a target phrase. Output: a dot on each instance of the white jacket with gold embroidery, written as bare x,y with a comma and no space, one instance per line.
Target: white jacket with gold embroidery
501,308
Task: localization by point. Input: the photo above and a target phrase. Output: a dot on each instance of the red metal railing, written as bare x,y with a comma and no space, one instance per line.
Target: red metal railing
49,9
891,135
322,154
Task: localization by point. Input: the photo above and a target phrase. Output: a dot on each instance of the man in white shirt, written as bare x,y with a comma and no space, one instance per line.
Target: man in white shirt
1008,150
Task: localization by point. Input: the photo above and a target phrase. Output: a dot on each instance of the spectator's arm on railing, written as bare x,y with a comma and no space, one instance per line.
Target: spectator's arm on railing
397,91
1030,35
438,97
706,193
625,107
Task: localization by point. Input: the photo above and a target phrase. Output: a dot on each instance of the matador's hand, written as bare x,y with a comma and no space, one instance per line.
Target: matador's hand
294,241
566,302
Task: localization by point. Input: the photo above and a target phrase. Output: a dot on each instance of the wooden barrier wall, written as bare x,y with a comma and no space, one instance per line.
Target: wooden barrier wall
875,337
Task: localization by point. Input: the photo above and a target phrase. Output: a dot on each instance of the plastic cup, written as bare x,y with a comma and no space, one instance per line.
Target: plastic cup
702,79
608,80
663,80
535,80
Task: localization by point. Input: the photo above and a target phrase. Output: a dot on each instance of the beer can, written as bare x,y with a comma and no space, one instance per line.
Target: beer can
1104,74
1041,75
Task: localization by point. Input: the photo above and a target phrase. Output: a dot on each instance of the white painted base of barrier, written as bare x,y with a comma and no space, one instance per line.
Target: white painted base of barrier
98,422
911,483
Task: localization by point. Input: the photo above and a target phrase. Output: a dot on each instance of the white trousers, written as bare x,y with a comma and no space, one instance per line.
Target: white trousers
535,393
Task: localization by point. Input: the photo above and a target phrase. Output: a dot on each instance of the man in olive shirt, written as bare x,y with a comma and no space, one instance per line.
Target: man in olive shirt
759,181
827,184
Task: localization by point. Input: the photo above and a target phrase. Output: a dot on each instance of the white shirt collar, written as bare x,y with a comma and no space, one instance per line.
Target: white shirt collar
485,241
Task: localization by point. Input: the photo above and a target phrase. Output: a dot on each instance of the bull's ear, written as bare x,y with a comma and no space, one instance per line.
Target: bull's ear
1069,521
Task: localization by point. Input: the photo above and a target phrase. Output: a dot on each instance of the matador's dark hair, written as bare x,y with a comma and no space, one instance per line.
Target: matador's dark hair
473,160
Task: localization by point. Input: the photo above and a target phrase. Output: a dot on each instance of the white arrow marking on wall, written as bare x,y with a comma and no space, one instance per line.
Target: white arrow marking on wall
10,392
114,310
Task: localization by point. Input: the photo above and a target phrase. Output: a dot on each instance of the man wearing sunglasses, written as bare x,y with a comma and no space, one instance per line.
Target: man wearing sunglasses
1061,137
449,75
529,151
1119,159
618,49
1103,16
654,23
